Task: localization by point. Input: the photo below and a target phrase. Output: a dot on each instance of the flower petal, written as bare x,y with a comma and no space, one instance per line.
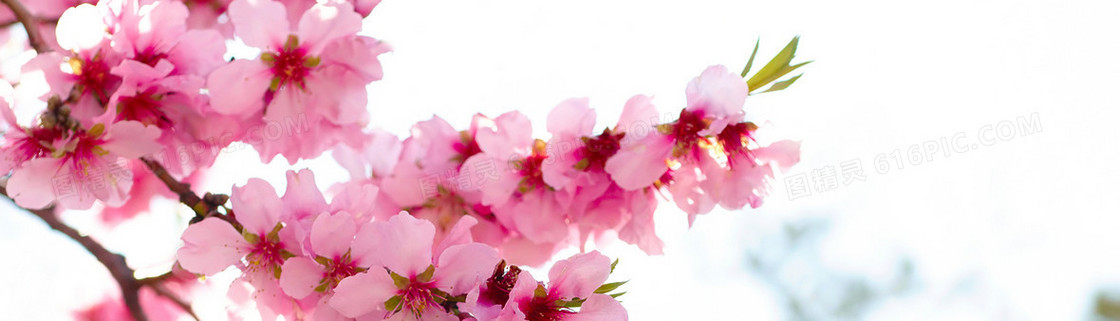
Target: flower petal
404,244
322,24
363,293
579,275
210,246
299,276
600,307
258,208
462,267
332,234
260,23
238,88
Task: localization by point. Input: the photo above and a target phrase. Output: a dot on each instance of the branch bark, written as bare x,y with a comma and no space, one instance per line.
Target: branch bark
30,24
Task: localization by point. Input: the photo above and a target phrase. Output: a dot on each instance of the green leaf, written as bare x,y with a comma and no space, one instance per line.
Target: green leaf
616,295
777,67
400,281
782,84
750,62
613,265
573,303
427,275
250,237
540,292
609,287
393,303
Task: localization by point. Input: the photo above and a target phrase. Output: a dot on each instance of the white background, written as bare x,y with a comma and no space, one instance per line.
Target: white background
1024,229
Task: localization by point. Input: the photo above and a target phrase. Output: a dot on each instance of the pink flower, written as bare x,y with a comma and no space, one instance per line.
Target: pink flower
331,259
418,275
191,133
641,158
83,165
259,249
315,75
571,280
150,31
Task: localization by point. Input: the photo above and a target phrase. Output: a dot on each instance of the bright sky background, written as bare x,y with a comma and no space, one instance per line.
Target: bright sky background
1024,229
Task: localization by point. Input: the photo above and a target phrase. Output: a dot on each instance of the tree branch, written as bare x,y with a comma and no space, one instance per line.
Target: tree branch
113,262
30,24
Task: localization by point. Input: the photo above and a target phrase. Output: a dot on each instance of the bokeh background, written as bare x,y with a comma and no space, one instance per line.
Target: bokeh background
1014,217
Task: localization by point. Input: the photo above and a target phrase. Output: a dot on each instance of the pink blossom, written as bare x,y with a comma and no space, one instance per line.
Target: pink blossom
81,167
315,74
570,280
418,275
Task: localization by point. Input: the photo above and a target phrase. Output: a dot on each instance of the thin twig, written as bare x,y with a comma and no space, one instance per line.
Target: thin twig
113,262
186,195
30,24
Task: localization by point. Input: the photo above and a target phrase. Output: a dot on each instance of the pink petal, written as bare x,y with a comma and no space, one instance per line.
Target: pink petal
640,164
600,307
457,235
34,184
323,24
358,53
640,229
302,197
256,205
462,267
785,154
260,23
717,92
638,118
332,234
571,117
211,246
131,139
538,217
299,276
513,133
238,88
579,275
404,244
198,52
363,293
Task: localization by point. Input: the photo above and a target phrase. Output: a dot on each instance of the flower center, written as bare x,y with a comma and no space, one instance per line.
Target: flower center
499,284
597,149
530,168
337,269
93,77
290,65
417,297
145,108
36,144
465,147
266,254
150,57
734,139
543,309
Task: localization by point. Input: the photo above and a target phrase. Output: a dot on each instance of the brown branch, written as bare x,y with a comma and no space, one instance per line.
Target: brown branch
113,262
30,24
186,195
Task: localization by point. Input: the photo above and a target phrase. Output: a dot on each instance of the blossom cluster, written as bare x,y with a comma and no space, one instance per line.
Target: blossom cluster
132,78
533,197
434,226
306,258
